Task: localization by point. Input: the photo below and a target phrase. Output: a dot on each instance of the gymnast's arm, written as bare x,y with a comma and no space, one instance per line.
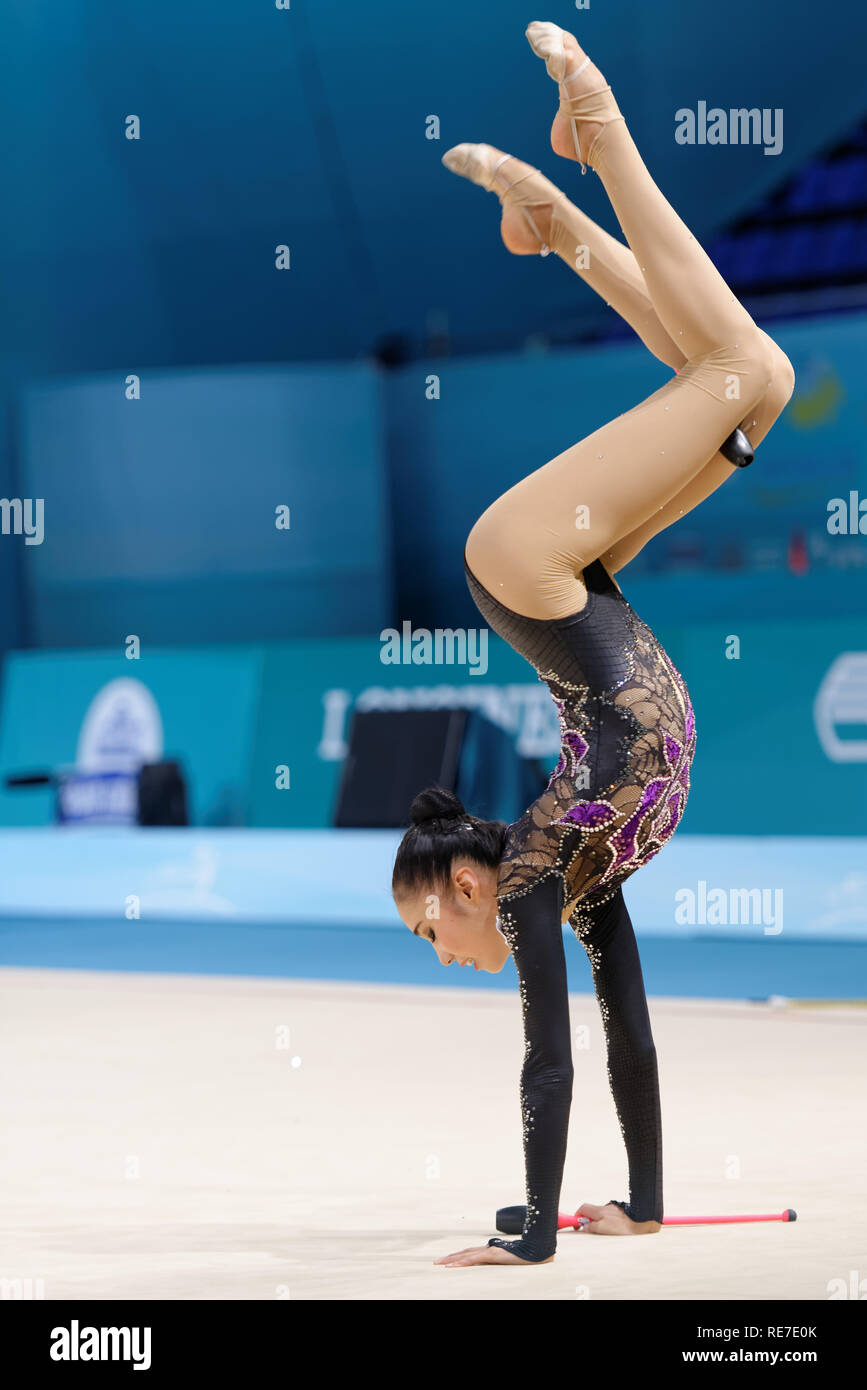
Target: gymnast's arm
531,925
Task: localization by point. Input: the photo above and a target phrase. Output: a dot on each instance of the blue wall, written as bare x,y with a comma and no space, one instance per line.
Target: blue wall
308,126
160,513
11,613
499,418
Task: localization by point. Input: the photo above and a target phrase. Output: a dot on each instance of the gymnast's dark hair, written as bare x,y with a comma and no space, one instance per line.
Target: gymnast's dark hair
441,831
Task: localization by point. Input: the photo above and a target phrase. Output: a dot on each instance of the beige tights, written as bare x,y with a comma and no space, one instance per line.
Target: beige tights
607,495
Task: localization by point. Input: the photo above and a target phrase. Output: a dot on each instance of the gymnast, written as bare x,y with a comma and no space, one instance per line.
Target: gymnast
540,564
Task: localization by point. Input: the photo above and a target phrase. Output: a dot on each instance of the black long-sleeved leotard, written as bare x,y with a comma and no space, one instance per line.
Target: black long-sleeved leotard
613,800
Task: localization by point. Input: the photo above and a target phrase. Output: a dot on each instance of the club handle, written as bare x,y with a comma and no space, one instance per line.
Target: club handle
510,1220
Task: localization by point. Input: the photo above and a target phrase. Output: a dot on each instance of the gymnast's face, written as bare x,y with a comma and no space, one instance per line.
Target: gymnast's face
461,924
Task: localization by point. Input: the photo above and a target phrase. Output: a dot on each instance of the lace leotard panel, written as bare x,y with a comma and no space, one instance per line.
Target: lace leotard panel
614,798
627,730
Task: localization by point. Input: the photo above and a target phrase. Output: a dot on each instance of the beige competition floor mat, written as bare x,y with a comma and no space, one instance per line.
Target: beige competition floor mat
190,1137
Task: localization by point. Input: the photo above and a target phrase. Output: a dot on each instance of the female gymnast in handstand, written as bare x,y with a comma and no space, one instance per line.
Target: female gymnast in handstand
539,564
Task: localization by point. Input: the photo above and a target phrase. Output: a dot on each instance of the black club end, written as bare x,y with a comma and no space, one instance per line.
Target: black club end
737,449
510,1220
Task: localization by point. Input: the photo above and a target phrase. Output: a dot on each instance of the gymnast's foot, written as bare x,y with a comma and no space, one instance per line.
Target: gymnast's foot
529,199
611,1220
569,66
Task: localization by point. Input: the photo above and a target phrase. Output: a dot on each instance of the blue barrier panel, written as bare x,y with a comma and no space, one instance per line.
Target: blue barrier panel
100,712
781,712
739,887
717,917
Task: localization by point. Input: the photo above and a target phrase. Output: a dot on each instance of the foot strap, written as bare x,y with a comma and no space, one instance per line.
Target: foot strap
546,250
599,107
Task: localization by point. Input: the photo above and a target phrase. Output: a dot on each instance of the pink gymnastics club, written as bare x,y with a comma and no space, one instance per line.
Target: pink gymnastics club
510,1220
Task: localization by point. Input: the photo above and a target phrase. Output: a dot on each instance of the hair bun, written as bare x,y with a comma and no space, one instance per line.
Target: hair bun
435,803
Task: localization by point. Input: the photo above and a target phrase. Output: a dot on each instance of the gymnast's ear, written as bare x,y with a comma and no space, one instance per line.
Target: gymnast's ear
441,831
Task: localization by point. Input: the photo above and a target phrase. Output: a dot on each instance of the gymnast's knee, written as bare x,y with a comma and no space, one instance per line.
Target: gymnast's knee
739,374
483,541
526,570
762,416
491,553
782,382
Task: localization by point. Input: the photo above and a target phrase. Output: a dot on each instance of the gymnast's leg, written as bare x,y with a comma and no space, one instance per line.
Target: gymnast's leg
607,936
717,471
611,270
620,281
530,546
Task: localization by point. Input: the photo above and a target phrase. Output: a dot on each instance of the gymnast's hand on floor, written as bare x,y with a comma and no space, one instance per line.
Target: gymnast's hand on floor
487,1255
611,1220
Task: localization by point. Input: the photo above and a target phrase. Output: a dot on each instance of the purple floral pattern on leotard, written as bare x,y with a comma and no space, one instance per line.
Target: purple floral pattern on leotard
590,814
573,746
596,836
662,800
